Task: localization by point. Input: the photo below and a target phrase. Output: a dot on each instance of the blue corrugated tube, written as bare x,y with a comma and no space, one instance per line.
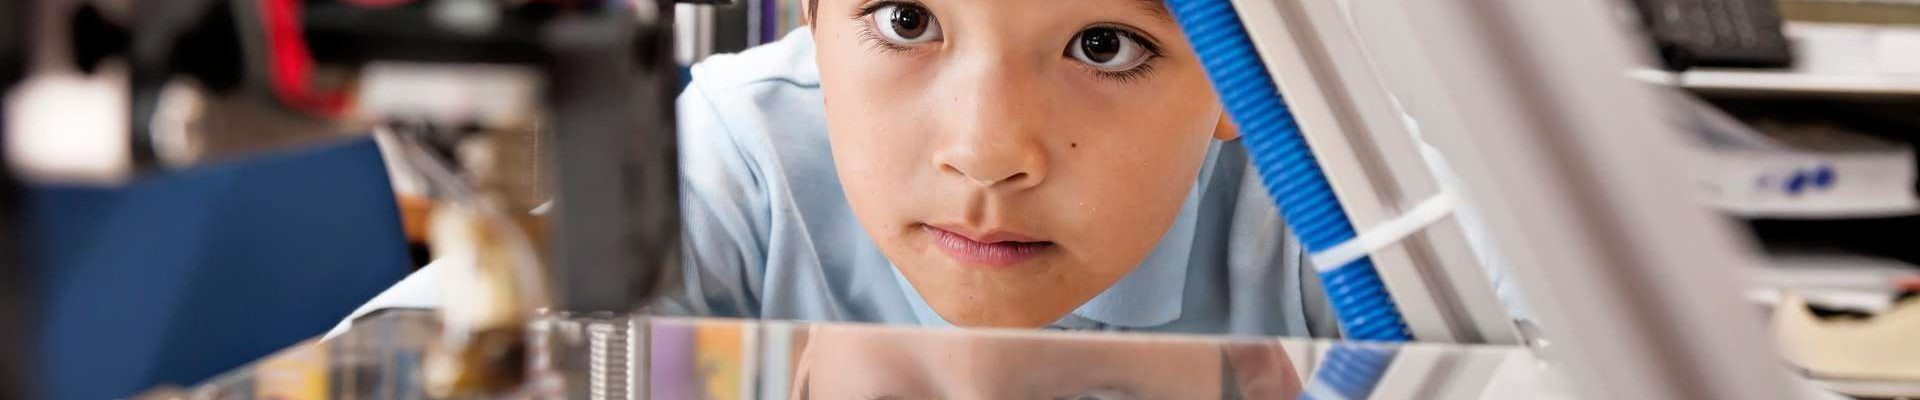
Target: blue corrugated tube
1349,372
1292,176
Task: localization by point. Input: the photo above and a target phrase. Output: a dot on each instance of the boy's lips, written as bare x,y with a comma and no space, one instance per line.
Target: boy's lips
986,248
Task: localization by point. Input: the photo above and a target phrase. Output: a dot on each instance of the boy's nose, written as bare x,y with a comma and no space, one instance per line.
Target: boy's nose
990,165
992,139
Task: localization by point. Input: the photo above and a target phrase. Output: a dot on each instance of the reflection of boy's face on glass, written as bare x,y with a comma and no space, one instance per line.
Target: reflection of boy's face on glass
865,363
1013,158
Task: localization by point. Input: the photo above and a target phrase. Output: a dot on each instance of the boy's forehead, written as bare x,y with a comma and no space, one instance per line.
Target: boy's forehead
1156,7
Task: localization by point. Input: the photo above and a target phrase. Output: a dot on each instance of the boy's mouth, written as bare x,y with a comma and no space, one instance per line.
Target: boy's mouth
990,248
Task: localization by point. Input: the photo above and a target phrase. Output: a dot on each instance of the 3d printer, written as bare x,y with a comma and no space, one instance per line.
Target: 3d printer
503,106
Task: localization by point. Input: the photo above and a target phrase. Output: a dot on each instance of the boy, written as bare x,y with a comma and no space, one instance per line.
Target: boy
981,163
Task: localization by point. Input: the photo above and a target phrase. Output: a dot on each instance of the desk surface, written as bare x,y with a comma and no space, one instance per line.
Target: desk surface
637,357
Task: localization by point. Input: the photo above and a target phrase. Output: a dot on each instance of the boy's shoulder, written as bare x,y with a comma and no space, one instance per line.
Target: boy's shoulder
788,61
757,117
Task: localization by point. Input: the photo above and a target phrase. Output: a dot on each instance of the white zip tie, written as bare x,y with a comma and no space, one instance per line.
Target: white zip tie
1386,232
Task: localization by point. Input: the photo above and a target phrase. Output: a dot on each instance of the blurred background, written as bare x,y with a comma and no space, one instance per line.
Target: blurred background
175,205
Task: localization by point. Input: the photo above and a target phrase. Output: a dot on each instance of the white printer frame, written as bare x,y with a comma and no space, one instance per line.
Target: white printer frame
1370,155
1572,164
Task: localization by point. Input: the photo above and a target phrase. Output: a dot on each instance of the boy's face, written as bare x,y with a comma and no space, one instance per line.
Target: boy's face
1013,157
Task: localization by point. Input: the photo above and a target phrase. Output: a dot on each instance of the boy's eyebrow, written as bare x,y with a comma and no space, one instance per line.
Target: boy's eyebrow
1157,7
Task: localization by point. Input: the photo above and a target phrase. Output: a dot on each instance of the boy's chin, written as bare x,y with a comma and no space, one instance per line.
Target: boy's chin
1001,306
997,316
1031,294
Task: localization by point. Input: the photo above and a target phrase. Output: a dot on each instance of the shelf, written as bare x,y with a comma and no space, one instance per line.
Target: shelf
1790,82
1829,59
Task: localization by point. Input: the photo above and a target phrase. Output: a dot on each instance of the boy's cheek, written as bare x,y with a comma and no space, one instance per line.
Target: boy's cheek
876,147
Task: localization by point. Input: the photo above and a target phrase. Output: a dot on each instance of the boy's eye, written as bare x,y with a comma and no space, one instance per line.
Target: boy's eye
906,24
1108,49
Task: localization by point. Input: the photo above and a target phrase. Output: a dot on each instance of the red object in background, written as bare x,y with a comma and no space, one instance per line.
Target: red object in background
291,64
1908,284
376,3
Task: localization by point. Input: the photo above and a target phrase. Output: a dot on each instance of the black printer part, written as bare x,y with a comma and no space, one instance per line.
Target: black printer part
1716,33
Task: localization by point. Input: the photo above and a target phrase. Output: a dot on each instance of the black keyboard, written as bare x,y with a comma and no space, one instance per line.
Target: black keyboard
1716,33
